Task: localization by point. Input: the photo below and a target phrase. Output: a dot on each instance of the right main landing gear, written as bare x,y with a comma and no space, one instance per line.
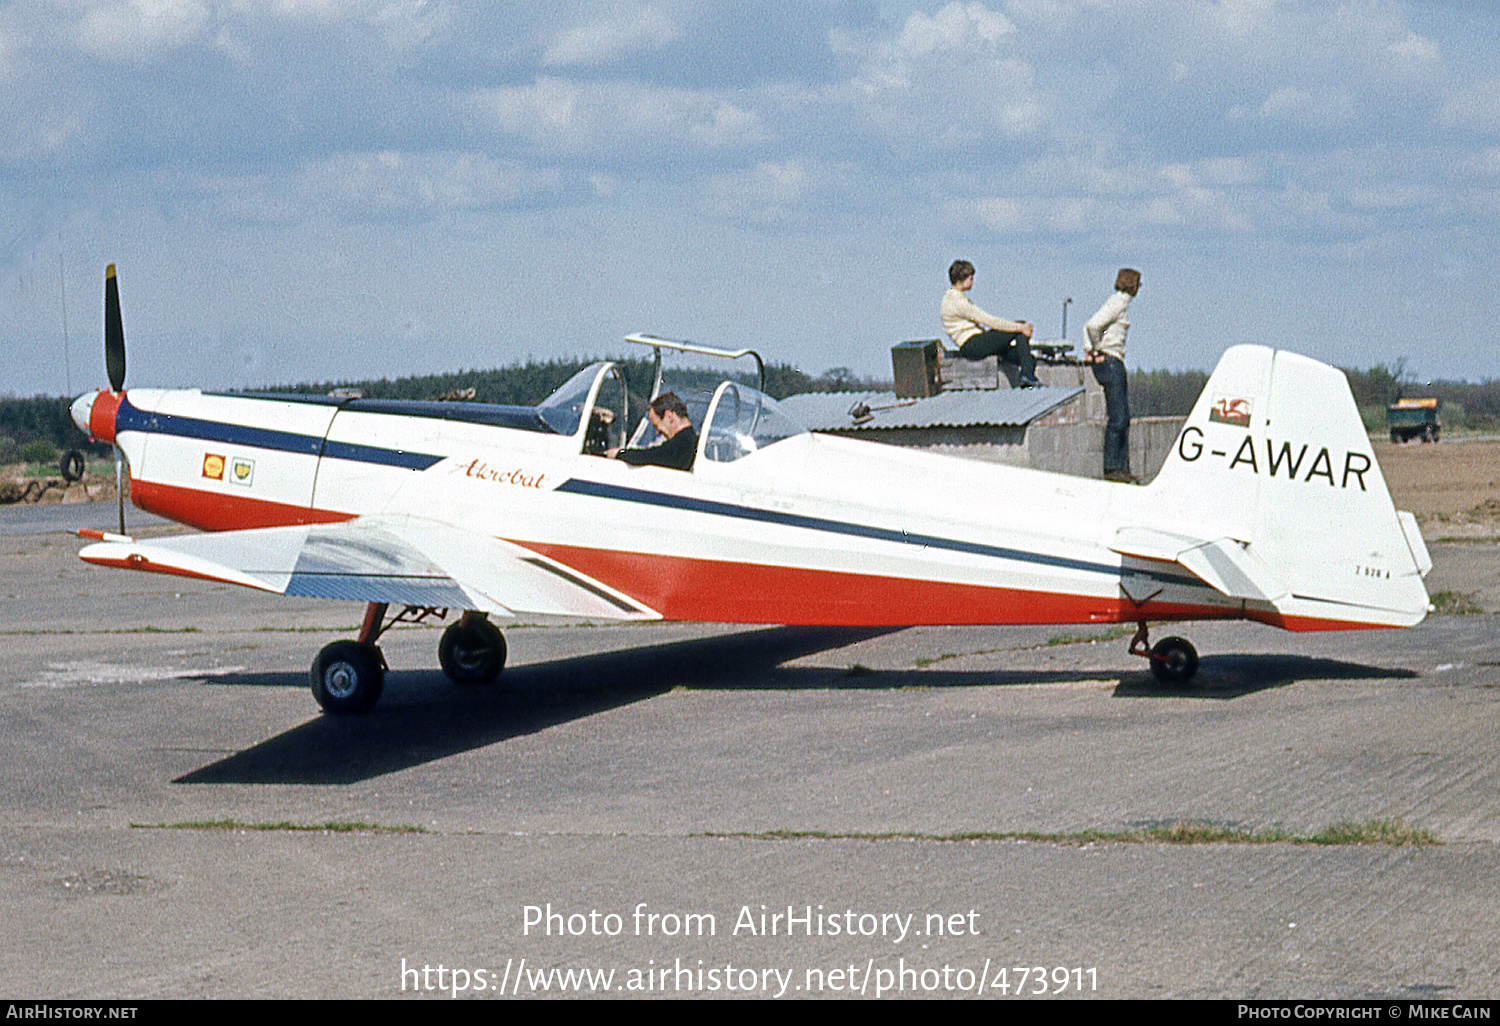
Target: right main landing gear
472,650
1174,661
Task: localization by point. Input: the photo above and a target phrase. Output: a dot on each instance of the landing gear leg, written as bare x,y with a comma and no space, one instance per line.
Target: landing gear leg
1174,661
348,676
472,650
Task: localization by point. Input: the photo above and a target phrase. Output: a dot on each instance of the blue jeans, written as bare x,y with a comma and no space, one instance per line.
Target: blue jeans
1110,373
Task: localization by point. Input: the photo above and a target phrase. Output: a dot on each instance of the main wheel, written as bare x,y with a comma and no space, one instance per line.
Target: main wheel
71,465
347,677
472,651
1174,661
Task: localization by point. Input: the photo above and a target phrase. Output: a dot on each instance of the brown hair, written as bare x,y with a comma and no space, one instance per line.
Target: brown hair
1128,280
668,402
959,270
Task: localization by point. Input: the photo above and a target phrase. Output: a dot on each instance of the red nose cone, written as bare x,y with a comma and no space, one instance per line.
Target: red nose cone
102,416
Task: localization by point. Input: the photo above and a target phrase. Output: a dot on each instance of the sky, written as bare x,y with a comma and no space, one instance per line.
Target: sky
300,190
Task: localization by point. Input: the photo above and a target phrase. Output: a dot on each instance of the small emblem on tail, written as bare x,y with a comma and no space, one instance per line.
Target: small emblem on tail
1226,410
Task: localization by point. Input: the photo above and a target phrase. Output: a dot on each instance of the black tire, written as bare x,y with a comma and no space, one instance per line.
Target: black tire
472,651
347,677
1174,661
1396,436
72,465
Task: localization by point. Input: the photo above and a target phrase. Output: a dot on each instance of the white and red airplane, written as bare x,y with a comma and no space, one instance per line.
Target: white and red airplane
1270,507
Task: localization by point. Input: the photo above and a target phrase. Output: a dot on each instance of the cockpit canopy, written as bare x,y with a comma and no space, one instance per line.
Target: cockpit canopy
740,420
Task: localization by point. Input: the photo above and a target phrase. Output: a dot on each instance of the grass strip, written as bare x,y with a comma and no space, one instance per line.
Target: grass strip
1393,832
331,827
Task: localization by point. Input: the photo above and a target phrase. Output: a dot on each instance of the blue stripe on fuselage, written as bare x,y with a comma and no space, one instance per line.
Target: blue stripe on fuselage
128,418
766,516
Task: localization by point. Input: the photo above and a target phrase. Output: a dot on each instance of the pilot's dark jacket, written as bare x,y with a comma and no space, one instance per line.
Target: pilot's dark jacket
676,452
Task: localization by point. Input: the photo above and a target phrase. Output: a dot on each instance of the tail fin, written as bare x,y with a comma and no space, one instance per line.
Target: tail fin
1274,457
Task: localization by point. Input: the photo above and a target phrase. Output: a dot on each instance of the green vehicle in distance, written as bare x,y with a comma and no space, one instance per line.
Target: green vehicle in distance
1413,418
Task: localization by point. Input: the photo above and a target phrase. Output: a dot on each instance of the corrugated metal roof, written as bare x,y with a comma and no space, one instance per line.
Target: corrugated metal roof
829,411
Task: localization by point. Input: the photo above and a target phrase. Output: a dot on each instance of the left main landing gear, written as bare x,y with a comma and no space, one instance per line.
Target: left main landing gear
347,677
1174,661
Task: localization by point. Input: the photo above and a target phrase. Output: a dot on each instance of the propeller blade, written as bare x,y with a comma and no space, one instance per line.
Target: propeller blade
114,332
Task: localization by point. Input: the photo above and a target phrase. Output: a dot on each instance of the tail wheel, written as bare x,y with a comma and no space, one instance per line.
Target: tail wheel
472,651
347,677
1174,661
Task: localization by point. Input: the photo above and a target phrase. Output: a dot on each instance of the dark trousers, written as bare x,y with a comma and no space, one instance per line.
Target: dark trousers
1110,373
1010,346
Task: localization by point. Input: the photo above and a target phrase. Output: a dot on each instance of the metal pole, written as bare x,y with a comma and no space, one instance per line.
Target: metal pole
62,284
1065,316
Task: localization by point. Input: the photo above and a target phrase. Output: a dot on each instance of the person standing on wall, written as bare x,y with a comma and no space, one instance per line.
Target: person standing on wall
1104,347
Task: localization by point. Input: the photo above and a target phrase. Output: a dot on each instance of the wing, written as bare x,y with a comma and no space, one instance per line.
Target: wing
399,560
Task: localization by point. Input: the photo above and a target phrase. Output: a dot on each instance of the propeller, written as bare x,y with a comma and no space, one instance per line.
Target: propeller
114,332
114,364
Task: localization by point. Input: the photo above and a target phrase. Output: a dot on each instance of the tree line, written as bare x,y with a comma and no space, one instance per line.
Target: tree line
38,428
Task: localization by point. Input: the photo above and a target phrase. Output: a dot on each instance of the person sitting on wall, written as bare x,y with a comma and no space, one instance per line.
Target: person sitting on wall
978,334
679,447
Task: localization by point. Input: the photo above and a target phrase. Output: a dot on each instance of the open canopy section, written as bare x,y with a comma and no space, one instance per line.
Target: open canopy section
743,420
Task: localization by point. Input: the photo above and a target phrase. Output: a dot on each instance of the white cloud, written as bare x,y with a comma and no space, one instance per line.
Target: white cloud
1475,107
618,35
957,35
1320,109
1414,48
408,25
1242,18
956,27
390,182
41,133
134,30
1388,197
566,116
945,81
1485,163
776,192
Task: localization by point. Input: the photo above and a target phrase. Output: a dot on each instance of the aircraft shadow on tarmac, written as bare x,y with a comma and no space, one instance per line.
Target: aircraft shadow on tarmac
1231,676
422,717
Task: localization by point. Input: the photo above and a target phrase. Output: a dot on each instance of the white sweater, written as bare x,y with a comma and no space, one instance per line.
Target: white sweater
1106,329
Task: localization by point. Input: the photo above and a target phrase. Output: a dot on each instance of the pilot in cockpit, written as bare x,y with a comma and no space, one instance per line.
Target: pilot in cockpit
669,415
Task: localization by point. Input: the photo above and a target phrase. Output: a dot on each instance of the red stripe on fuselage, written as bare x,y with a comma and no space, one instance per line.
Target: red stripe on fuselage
1305,624
680,588
213,511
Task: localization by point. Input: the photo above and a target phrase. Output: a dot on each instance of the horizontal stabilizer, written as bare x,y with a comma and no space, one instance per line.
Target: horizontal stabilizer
1225,564
397,560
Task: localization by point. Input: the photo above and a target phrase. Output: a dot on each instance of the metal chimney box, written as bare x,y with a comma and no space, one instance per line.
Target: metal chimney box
916,367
